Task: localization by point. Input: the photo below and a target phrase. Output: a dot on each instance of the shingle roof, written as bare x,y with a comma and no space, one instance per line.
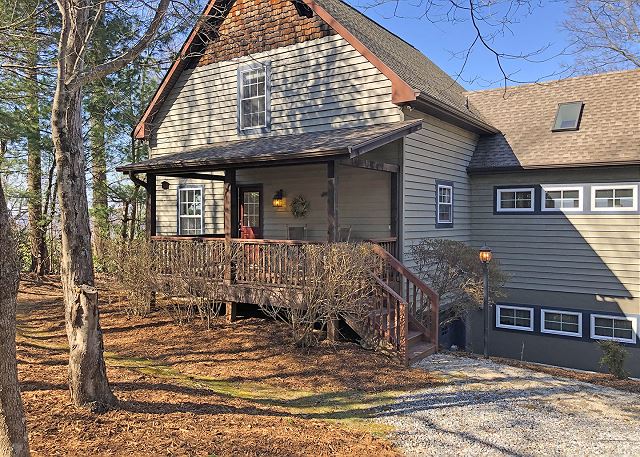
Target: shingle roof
609,130
411,65
279,148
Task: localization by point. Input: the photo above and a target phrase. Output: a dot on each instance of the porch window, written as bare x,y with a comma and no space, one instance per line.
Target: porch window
514,317
190,220
615,328
565,323
614,198
520,200
253,97
562,198
444,204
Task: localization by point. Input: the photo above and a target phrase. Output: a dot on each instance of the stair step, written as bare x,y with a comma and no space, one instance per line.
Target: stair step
420,351
414,337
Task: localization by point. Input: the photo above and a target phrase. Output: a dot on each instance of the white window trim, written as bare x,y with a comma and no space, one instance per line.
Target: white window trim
514,327
240,82
500,209
546,189
444,186
634,328
634,207
543,312
180,216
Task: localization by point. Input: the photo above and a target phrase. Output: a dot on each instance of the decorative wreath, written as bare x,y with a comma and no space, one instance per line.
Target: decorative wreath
299,206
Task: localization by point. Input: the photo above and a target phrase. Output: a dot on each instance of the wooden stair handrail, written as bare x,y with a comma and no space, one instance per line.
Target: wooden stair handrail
400,268
389,290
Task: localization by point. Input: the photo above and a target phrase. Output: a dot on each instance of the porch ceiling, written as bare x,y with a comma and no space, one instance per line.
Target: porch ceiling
301,147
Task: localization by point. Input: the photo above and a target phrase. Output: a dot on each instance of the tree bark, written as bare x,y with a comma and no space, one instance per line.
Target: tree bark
88,383
13,427
37,227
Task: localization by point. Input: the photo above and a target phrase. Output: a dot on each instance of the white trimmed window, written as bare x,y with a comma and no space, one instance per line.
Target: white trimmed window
514,317
190,217
252,93
565,323
515,200
445,204
622,197
615,328
562,198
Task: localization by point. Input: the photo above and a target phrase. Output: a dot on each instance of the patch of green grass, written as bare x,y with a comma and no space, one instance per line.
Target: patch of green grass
351,408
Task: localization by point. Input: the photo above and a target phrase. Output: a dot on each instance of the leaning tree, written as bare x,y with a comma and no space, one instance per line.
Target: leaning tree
88,383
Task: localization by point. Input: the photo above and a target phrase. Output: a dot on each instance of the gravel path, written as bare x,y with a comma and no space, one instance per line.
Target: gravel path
492,409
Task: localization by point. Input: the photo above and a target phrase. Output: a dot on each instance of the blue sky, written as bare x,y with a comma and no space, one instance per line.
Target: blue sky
441,40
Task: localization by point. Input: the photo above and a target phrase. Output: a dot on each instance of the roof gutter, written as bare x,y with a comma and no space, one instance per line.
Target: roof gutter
430,105
520,168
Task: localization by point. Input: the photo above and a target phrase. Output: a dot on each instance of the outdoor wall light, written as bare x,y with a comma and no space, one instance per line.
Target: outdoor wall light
165,185
278,199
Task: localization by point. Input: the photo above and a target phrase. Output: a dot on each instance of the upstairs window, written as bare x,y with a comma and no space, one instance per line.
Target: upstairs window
444,202
568,116
515,200
562,198
253,97
614,198
190,211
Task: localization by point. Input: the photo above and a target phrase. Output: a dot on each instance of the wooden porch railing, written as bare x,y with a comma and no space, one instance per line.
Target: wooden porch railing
401,301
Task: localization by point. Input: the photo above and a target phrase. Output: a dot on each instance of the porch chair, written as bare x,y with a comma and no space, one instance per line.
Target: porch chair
297,232
344,234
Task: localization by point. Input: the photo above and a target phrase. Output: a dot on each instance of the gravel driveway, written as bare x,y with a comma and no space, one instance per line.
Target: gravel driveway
492,409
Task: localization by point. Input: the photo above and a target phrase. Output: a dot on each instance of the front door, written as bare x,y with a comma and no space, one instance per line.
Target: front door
250,206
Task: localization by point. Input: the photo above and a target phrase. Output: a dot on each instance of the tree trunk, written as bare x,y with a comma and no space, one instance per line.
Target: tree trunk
37,227
97,132
13,428
88,382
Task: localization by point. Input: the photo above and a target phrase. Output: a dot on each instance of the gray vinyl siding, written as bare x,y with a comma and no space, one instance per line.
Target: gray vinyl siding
167,205
440,151
580,253
317,85
367,212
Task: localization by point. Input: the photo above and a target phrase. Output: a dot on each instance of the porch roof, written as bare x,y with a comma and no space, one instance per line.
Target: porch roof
278,149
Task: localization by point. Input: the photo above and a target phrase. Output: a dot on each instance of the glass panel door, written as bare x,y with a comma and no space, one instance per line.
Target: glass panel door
250,212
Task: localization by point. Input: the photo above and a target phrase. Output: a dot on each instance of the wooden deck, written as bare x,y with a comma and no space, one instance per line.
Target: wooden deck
404,311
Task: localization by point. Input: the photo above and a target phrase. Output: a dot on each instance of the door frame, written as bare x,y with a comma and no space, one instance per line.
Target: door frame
251,188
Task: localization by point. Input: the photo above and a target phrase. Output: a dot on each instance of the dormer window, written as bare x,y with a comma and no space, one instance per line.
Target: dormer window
254,97
568,116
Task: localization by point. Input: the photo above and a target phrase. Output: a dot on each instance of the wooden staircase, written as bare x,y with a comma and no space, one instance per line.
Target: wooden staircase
404,316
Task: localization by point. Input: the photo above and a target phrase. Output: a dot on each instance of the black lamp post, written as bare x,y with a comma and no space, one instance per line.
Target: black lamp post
485,257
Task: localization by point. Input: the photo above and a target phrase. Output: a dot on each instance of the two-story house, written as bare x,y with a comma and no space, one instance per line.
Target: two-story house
305,120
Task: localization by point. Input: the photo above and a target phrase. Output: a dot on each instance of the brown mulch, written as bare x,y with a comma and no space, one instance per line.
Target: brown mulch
160,414
601,379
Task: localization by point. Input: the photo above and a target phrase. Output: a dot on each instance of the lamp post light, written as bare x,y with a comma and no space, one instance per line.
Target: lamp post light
485,257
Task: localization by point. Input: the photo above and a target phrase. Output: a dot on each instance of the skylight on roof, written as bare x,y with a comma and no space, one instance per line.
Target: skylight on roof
568,116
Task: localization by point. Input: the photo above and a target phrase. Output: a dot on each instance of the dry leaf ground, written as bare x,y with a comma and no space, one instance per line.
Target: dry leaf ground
237,389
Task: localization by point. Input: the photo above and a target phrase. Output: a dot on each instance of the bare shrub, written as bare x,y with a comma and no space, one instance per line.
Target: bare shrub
130,265
453,270
336,281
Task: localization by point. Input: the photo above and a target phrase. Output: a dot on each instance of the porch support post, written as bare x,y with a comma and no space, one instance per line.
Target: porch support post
395,215
150,222
332,203
229,223
229,191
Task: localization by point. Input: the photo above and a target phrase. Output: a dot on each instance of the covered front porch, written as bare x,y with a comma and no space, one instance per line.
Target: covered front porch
341,185
230,211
